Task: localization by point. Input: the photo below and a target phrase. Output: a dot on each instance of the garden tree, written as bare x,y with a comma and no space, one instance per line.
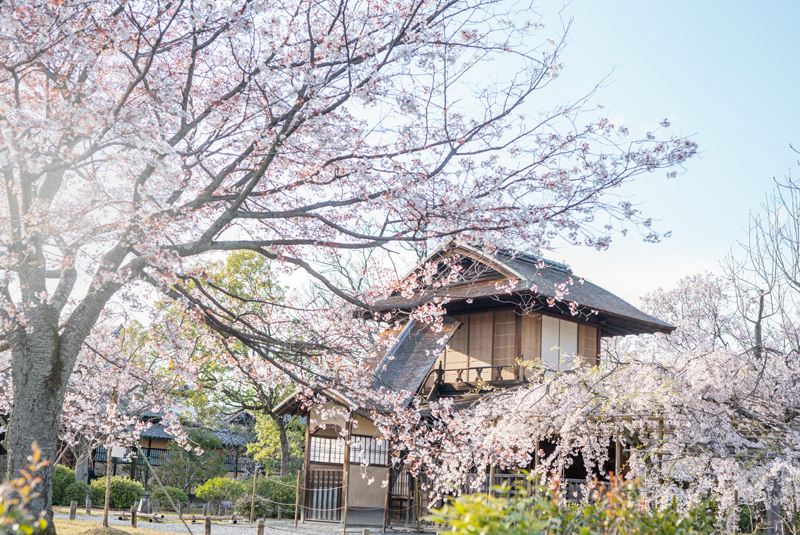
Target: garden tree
285,439
117,379
767,293
138,136
712,410
236,382
188,468
701,418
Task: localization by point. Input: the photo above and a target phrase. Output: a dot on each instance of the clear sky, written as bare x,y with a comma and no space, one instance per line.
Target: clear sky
725,73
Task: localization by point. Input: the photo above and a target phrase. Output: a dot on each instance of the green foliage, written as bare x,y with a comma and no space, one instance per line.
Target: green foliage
270,492
221,489
266,449
77,491
124,492
262,507
281,489
176,494
63,477
187,469
16,494
617,512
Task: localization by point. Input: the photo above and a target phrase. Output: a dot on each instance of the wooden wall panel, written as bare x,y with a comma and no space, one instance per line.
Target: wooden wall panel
531,346
480,342
505,322
458,351
587,344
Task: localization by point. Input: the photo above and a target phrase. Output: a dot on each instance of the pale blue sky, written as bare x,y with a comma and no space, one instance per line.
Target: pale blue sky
724,72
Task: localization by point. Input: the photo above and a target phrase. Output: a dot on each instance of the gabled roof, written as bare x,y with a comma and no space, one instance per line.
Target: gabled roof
528,274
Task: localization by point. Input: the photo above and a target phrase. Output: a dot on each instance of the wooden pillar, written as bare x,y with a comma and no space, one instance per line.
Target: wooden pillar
108,486
133,465
208,526
253,498
235,463
147,470
346,468
599,344
409,493
388,500
660,441
535,480
73,509
297,498
260,528
133,516
417,501
519,371
306,462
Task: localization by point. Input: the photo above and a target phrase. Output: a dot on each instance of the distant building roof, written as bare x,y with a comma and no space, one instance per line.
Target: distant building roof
228,437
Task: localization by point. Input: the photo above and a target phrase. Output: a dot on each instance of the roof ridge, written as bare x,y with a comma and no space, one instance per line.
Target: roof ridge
533,259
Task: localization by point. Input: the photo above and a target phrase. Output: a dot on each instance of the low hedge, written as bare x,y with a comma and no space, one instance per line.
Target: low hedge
77,491
177,495
221,489
278,489
124,492
62,478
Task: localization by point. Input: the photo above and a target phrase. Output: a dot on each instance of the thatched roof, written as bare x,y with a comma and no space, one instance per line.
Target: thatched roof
407,363
535,277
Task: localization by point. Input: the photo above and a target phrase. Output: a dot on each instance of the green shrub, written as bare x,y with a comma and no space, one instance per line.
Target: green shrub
617,512
77,491
282,490
176,494
271,492
264,508
124,492
221,489
62,478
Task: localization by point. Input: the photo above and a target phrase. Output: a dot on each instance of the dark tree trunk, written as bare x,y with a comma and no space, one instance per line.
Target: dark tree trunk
82,450
284,437
40,377
43,355
774,522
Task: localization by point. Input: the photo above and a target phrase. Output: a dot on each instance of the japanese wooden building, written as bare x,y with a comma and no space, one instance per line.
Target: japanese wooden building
505,309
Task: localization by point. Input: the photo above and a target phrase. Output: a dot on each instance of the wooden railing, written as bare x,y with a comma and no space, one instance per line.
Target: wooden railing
492,374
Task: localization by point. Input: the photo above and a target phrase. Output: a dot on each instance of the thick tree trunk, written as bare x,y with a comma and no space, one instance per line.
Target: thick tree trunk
82,450
284,437
40,379
774,522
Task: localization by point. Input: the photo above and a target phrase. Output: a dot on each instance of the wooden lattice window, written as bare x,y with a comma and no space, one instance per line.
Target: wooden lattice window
326,450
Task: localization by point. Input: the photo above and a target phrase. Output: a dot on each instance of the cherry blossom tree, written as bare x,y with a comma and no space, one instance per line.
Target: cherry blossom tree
709,411
137,137
703,415
116,381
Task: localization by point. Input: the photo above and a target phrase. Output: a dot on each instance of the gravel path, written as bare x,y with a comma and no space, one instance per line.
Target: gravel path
272,527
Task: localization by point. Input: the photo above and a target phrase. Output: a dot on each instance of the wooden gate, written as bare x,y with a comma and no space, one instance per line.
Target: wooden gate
324,495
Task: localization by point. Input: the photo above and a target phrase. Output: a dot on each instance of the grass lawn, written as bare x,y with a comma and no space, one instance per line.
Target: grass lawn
78,527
